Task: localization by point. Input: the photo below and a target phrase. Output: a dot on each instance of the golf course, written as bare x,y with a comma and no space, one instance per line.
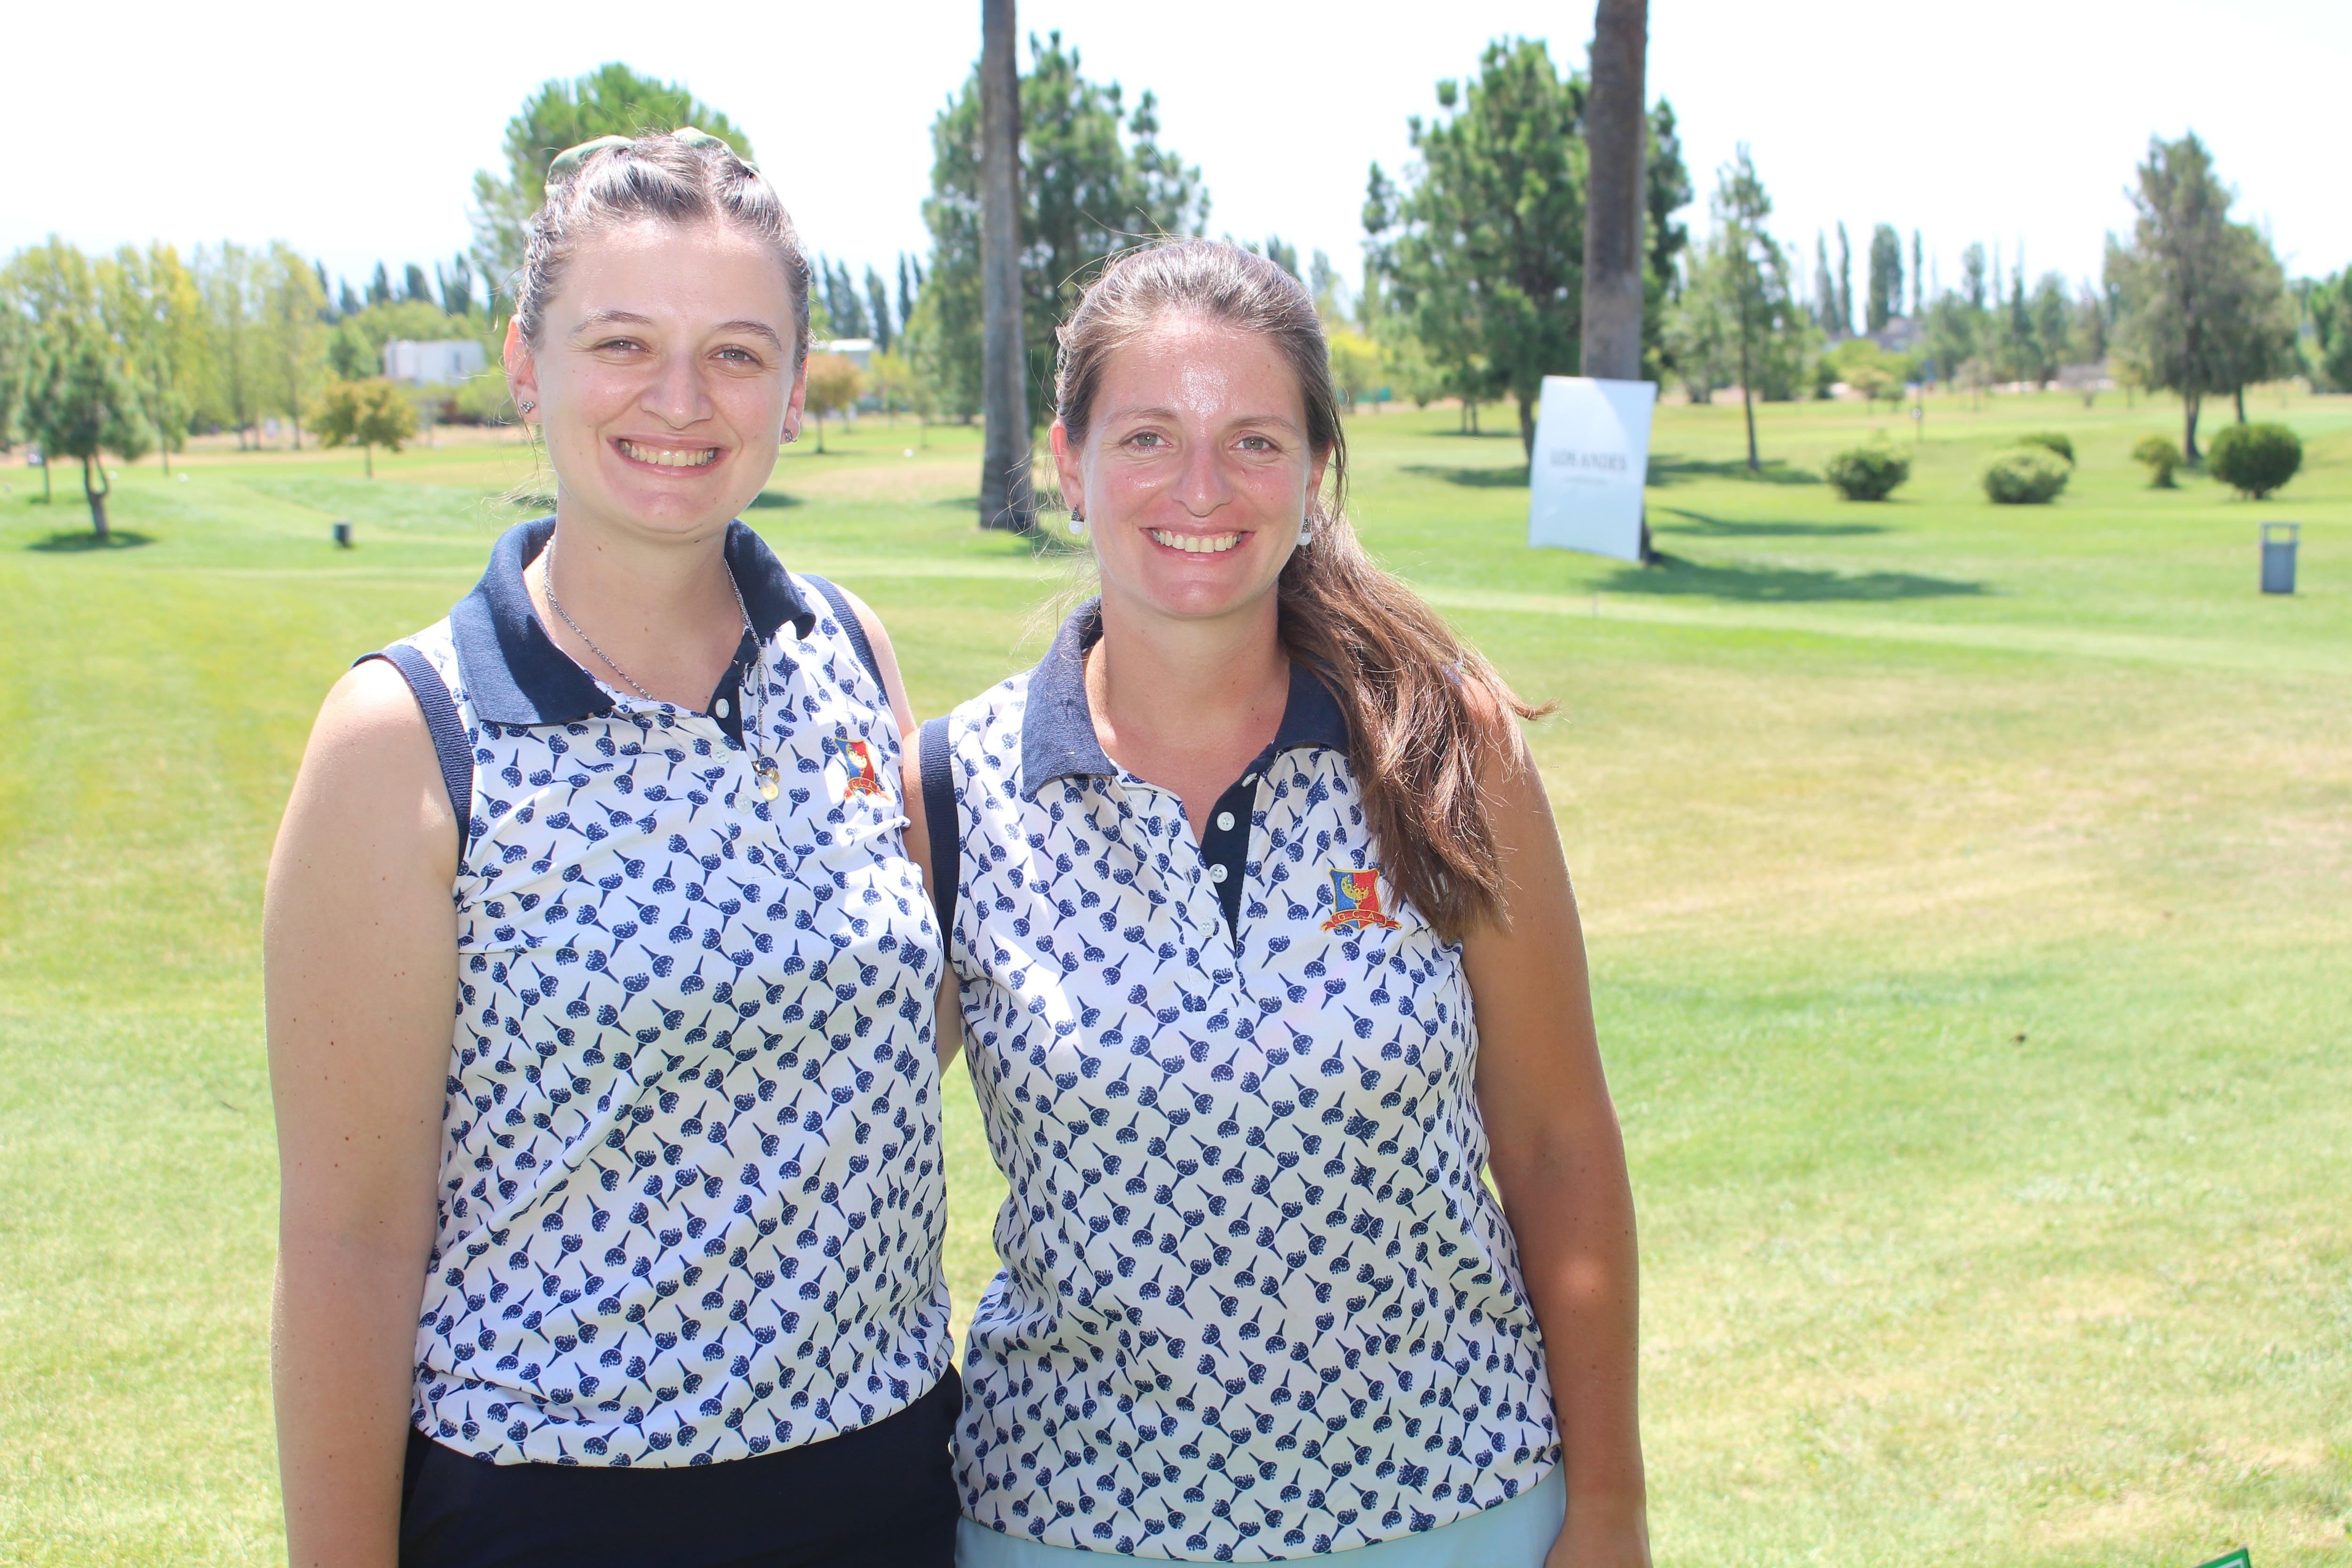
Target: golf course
1968,890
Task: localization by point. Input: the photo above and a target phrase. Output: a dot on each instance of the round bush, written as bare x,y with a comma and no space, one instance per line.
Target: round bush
1867,473
2159,456
2027,477
2253,460
2051,441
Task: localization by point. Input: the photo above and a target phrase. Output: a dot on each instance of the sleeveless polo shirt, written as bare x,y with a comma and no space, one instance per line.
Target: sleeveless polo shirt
691,1203
1256,1303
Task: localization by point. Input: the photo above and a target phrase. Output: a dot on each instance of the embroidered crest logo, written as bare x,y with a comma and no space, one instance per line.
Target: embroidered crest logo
1356,903
858,761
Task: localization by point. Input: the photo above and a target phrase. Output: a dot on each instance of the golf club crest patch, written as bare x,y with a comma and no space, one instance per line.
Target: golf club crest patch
859,774
1356,902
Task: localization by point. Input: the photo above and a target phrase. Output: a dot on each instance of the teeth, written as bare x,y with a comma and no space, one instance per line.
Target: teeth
664,458
1197,544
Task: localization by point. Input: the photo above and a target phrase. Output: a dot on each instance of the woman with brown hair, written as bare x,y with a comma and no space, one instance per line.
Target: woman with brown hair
1266,954
600,984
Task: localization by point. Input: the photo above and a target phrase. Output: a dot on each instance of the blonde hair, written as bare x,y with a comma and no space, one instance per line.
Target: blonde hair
1428,717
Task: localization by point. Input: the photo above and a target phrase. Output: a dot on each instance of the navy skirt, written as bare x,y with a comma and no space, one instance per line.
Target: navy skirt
881,1496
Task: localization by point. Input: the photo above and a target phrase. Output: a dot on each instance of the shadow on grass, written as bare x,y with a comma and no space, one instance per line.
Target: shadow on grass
81,541
1780,584
1514,479
769,500
1671,468
1699,525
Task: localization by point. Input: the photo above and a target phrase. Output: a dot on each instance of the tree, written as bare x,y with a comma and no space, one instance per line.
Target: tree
370,412
1885,302
2330,307
1488,256
2205,306
292,306
356,344
834,383
1844,323
1918,274
85,407
1824,286
225,277
1006,499
456,286
1953,328
1355,363
2052,309
611,100
150,305
877,301
1088,179
1744,304
16,365
1615,227
891,380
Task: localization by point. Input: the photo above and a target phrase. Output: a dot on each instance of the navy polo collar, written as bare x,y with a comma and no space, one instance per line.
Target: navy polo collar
513,671
1058,727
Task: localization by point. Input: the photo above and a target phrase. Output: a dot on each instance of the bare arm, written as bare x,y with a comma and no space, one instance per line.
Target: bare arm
359,944
1559,1166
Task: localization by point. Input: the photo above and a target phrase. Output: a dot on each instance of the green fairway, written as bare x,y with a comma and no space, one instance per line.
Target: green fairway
1970,892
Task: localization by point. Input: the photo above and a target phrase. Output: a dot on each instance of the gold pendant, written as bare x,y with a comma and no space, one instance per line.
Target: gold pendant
771,779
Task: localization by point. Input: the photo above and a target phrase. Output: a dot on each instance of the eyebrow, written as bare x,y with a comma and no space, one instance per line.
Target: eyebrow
1284,420
631,319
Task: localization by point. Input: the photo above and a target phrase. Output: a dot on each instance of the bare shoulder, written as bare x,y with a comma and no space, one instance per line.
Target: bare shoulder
370,773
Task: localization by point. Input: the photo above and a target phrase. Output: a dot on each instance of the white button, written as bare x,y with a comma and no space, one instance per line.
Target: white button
1224,822
720,708
1216,873
1249,778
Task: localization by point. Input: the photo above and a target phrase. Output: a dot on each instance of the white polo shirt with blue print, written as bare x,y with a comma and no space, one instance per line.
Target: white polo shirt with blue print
1256,1301
690,1198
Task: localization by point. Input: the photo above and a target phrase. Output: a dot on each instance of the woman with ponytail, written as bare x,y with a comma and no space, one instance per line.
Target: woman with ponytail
1265,953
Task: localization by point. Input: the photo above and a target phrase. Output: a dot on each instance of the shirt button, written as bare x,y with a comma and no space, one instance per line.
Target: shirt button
1249,778
1216,873
1224,822
720,708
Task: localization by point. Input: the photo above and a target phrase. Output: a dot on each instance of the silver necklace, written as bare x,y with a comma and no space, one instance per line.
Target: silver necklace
764,771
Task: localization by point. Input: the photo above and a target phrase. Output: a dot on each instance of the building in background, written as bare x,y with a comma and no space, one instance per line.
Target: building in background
434,364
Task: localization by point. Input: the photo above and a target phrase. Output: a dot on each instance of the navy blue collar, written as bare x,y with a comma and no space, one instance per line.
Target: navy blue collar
1057,728
514,672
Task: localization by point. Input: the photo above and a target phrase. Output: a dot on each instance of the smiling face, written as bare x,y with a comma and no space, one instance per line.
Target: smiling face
664,378
1195,473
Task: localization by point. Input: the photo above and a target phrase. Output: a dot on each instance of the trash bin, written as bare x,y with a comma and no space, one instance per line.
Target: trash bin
344,538
2279,540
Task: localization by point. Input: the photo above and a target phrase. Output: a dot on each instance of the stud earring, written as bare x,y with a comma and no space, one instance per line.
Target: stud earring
527,406
1078,523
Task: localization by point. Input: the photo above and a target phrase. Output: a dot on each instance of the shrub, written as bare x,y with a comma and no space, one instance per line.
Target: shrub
2159,456
2253,460
2052,441
2027,477
1868,473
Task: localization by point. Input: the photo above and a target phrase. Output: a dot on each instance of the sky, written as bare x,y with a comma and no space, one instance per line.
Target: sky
353,133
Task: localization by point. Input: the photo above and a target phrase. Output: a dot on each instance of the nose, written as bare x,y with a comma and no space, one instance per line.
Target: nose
1202,487
676,395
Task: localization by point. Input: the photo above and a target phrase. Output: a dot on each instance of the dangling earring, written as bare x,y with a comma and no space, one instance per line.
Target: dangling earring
1078,523
1307,531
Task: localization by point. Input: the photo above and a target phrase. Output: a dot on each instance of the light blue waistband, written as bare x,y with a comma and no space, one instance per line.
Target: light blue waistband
1514,1534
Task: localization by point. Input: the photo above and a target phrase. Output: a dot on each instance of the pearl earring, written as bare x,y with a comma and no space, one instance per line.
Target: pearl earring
1078,523
1305,531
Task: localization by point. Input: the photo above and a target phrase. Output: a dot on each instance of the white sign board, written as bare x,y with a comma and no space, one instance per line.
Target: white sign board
1592,455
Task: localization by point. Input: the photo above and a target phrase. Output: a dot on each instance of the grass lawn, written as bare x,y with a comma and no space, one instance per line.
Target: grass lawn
1970,892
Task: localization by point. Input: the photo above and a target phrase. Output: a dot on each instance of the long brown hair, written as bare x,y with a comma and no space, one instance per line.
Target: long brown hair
1428,717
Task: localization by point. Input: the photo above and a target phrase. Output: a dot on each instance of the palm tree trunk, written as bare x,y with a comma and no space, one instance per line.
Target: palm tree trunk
2189,427
1615,135
1005,501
